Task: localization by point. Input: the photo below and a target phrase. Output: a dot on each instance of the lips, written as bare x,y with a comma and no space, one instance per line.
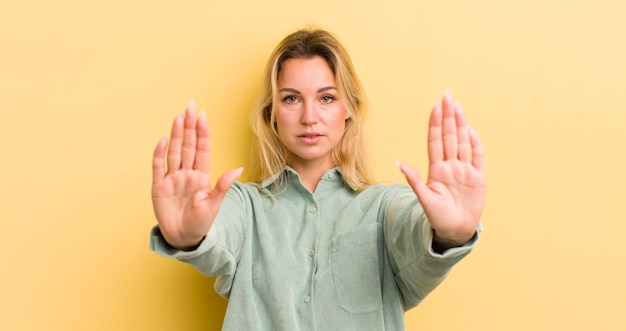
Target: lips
310,138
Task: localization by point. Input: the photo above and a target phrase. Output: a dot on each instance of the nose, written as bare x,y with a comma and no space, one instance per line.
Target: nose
309,113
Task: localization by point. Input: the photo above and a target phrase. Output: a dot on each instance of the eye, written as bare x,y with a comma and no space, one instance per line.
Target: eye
290,99
328,99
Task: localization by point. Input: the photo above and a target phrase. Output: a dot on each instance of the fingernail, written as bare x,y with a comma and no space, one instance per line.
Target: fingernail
398,164
447,93
192,103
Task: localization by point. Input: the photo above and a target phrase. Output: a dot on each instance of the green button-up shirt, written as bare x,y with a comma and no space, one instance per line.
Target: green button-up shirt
335,259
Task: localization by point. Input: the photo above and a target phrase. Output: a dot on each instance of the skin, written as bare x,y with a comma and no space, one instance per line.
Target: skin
309,116
185,203
453,196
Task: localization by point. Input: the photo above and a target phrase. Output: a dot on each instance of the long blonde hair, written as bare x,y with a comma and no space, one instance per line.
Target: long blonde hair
350,155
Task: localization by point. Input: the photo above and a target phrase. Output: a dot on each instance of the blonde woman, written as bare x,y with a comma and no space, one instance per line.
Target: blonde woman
314,244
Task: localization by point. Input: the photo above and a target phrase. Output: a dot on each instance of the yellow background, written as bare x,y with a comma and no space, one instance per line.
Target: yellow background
88,87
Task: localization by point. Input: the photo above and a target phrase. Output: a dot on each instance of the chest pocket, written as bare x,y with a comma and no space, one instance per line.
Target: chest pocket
356,271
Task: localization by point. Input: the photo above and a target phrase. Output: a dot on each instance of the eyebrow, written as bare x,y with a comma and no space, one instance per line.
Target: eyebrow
293,90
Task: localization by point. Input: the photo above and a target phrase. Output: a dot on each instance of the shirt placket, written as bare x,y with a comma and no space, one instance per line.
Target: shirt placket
313,217
313,214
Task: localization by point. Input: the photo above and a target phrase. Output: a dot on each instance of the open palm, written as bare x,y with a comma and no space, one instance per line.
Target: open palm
184,203
453,196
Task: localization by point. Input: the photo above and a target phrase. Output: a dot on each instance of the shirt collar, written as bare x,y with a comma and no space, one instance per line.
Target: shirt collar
288,172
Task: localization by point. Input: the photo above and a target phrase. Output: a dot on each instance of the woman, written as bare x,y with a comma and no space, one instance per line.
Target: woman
314,244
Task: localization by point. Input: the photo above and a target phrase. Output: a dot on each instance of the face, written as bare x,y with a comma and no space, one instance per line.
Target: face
310,116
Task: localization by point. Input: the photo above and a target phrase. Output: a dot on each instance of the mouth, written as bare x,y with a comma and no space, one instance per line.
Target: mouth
310,138
310,135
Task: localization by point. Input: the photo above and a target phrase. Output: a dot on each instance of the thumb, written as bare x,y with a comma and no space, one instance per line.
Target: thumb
224,183
415,181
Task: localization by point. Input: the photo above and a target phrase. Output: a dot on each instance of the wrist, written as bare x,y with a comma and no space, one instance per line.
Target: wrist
444,242
184,245
193,246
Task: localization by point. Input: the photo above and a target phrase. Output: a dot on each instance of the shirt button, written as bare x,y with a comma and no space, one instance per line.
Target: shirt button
312,209
312,252
307,299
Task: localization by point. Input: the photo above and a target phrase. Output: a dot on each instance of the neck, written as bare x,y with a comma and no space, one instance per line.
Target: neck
311,174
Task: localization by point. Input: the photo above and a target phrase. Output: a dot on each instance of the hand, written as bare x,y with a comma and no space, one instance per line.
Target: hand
184,203
453,197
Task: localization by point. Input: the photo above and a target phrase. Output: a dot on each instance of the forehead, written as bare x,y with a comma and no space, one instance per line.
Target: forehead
306,71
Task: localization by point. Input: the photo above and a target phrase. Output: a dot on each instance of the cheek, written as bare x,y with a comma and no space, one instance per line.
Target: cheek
283,123
339,120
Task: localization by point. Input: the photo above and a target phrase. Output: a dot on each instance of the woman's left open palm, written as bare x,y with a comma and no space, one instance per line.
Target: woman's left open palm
453,196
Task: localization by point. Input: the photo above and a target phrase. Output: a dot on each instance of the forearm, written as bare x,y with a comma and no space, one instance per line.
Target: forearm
210,258
430,265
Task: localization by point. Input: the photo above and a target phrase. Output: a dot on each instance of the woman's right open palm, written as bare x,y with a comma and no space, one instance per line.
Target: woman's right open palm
184,203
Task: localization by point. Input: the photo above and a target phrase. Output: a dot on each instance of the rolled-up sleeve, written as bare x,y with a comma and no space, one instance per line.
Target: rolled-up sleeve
417,267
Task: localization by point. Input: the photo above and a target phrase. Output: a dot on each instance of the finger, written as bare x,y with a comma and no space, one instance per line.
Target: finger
420,188
158,162
435,144
223,185
478,153
189,137
203,149
462,129
176,141
449,135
